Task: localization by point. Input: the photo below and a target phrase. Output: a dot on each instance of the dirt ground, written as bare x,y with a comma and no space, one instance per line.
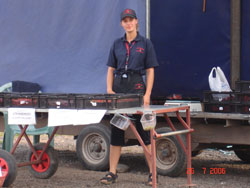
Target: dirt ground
71,173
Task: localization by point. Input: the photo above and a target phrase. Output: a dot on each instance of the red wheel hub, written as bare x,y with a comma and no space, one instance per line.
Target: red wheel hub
44,165
4,165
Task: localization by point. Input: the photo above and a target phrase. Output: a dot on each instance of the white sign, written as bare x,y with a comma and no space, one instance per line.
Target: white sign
89,116
21,116
59,117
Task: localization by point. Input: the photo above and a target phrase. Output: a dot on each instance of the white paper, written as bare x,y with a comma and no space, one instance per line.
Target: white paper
21,116
89,116
59,117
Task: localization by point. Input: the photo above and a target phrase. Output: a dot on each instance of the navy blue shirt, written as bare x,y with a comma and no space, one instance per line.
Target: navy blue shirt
141,55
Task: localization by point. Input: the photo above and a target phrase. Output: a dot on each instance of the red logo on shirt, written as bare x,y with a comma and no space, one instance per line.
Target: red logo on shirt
139,86
140,50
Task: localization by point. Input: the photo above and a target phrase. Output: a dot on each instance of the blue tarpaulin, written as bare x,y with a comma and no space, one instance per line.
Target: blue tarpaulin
188,43
63,45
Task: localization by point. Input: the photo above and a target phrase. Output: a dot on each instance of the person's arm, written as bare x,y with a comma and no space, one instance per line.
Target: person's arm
149,86
110,79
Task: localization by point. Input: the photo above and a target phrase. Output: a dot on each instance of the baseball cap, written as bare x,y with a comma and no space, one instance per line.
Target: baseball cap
128,13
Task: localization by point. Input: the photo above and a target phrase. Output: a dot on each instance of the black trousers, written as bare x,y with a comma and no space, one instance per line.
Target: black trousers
132,84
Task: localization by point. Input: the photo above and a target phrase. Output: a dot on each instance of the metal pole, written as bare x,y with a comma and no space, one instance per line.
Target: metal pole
148,19
235,41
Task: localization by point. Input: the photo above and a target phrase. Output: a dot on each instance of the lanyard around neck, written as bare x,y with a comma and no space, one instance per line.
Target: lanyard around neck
128,52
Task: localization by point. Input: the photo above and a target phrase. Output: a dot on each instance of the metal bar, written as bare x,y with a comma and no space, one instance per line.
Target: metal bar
28,141
18,139
174,129
189,149
162,111
148,19
146,151
189,176
181,120
174,133
188,119
153,158
28,163
48,142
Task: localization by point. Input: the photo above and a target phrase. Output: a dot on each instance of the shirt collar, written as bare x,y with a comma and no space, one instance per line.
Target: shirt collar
137,38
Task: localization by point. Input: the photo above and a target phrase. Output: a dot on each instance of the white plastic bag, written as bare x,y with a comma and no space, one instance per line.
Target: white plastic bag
219,82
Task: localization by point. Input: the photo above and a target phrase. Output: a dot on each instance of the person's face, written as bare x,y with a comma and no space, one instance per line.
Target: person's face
129,24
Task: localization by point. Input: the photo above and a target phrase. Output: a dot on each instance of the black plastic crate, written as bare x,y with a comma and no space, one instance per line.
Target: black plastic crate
66,101
21,100
243,109
220,108
242,98
108,101
242,86
219,97
1,99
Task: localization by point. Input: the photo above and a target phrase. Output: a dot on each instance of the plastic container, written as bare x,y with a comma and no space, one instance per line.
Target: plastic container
148,120
120,121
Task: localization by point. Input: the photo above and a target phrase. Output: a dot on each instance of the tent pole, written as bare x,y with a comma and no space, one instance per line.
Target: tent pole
235,41
148,19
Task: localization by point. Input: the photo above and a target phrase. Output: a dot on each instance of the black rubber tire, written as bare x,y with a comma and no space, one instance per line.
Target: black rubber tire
243,154
92,147
50,157
8,163
171,160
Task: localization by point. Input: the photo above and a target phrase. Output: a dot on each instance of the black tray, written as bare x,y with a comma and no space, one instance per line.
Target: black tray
220,108
242,86
21,100
219,97
1,99
71,101
108,101
65,101
242,98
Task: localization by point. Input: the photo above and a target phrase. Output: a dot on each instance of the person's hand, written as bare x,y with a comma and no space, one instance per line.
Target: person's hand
110,91
146,99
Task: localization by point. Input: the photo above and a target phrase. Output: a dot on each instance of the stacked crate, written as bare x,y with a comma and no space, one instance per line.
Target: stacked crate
70,101
237,101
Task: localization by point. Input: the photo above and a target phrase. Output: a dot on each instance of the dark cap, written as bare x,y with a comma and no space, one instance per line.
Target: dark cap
128,13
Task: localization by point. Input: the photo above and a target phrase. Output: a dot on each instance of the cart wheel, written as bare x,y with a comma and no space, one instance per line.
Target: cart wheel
48,165
92,147
8,164
171,160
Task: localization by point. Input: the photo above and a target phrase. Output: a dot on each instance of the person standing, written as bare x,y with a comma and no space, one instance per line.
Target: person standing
131,57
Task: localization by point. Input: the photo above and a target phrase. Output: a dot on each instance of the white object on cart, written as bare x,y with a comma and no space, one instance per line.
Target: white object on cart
120,121
148,120
21,116
59,117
